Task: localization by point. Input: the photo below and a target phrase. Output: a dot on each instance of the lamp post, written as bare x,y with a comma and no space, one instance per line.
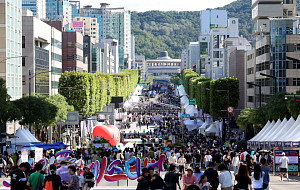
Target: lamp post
250,83
29,93
273,77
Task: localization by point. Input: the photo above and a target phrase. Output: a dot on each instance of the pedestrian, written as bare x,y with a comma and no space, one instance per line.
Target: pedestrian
207,158
235,163
284,163
218,158
227,160
225,178
36,179
156,182
80,178
257,178
173,159
144,180
18,178
198,158
2,165
63,173
88,179
53,179
74,180
212,176
198,173
204,184
243,179
189,179
181,163
79,163
265,168
171,179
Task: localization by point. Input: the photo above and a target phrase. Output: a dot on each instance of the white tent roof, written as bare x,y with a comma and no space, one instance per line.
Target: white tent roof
282,131
203,128
291,132
191,110
181,90
23,137
267,130
274,132
211,129
271,131
184,101
262,131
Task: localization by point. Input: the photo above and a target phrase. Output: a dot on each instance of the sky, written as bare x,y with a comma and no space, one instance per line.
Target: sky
162,5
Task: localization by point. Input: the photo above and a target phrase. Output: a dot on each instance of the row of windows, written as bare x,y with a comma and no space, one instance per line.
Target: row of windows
56,43
56,57
263,66
163,64
262,50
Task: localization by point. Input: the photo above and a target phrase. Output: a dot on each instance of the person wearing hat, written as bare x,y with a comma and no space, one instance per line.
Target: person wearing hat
212,176
189,179
144,180
284,164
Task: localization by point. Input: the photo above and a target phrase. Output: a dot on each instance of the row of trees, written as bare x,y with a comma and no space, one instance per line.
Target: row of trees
276,108
211,95
89,92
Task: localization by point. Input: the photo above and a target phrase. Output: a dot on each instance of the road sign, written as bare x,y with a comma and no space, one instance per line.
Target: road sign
230,109
187,116
182,116
192,101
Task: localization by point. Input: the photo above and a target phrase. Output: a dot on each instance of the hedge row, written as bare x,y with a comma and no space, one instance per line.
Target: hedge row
89,92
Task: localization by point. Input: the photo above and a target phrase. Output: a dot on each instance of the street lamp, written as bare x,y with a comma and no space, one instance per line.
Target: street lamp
30,77
250,83
273,77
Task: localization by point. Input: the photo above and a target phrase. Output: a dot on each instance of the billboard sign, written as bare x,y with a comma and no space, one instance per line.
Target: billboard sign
78,26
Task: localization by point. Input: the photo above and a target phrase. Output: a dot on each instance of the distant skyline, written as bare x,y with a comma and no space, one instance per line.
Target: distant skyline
161,5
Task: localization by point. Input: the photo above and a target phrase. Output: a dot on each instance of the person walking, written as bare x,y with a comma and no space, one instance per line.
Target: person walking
80,178
171,179
212,176
181,163
225,178
173,159
207,159
144,180
198,173
74,180
257,178
88,179
63,173
156,182
53,179
265,168
284,163
18,178
235,163
36,179
243,179
189,179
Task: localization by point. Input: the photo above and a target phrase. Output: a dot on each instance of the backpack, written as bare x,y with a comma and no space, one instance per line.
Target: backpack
242,157
48,185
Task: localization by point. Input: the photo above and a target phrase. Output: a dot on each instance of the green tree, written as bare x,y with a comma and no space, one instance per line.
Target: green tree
219,89
205,96
276,107
293,106
175,78
62,107
243,118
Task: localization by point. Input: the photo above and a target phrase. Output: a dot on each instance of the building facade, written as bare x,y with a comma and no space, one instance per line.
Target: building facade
194,55
184,59
113,23
163,67
114,52
59,10
37,7
140,64
11,46
36,36
90,27
72,52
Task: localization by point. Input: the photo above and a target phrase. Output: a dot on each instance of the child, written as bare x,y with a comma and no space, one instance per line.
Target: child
204,185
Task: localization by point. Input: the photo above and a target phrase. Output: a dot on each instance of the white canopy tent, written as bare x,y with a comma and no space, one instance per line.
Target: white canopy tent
263,138
191,110
211,130
193,124
203,127
292,131
23,137
266,128
274,132
281,131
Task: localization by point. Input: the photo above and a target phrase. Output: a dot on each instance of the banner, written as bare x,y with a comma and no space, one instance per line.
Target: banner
296,144
24,155
38,154
293,156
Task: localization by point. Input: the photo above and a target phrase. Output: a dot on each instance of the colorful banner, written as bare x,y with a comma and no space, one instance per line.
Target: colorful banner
293,156
287,144
279,144
78,26
296,144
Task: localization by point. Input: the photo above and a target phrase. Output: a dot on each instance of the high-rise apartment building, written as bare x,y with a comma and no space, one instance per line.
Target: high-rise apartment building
185,59
132,51
273,27
75,7
113,23
59,10
37,7
110,55
212,19
194,55
90,27
11,46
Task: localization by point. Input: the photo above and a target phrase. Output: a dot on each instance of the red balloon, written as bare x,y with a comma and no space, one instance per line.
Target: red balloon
108,132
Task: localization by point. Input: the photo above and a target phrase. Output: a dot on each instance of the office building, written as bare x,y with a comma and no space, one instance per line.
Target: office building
11,47
194,55
132,51
113,23
75,7
210,19
163,67
204,40
72,52
96,59
185,59
87,26
273,20
37,7
140,64
59,10
113,48
36,43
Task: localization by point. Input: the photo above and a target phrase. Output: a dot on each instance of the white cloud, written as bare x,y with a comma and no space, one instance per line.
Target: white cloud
162,5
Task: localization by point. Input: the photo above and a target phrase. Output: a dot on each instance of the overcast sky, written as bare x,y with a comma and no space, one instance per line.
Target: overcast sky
162,5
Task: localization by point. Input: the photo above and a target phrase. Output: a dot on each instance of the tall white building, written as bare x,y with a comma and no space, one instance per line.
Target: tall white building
210,19
194,55
185,59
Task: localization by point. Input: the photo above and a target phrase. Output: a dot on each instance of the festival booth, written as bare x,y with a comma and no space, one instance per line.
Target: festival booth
203,127
193,124
282,136
211,131
23,136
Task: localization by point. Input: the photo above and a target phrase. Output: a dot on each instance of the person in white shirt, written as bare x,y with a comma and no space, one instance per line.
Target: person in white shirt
225,178
284,164
181,162
245,153
257,177
173,159
235,163
168,154
207,158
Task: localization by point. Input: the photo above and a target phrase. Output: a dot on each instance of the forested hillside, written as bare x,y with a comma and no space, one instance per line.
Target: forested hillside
157,31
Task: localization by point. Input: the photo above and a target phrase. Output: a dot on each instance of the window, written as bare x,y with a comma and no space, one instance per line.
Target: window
23,41
296,81
23,61
250,98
